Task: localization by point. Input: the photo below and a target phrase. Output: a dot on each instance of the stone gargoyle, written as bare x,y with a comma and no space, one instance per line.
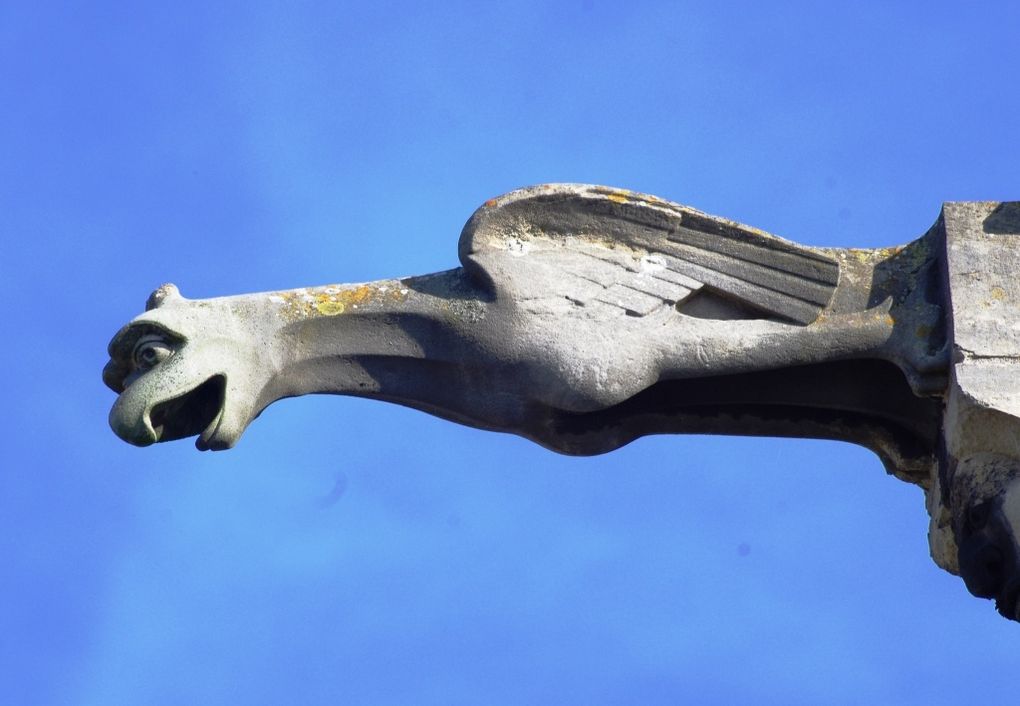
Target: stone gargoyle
583,317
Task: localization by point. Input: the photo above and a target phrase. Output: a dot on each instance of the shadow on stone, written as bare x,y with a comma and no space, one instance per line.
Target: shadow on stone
1004,220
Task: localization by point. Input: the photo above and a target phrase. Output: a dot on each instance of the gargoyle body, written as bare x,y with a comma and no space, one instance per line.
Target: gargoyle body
584,317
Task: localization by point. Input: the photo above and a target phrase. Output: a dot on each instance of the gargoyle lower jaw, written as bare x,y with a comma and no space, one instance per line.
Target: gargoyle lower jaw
198,412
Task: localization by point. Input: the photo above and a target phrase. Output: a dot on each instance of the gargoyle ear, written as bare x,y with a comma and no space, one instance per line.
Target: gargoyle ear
161,295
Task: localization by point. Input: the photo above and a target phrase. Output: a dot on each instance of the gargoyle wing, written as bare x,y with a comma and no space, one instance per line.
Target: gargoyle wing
623,252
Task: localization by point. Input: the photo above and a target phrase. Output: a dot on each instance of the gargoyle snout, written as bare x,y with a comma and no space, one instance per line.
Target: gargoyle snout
989,557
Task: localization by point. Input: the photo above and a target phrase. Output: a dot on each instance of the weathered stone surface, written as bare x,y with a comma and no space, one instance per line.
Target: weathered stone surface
583,317
976,524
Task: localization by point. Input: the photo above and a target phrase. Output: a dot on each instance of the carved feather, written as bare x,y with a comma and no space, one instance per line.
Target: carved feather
595,246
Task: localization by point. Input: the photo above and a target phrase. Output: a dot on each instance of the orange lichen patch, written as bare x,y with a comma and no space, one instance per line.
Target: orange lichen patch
883,316
490,203
863,256
635,197
998,293
358,295
868,256
294,303
618,196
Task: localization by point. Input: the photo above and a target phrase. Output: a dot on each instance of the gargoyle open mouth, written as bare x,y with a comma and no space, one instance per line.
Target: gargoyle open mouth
196,412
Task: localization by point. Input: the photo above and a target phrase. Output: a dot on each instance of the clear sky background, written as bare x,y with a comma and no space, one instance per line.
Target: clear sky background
258,146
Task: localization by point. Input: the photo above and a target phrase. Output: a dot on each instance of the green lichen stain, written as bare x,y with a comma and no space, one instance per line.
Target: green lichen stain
330,308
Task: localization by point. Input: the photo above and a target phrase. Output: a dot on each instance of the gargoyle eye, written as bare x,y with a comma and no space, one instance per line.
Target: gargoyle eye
150,351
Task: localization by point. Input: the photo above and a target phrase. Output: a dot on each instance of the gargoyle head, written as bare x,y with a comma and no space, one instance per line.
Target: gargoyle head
182,368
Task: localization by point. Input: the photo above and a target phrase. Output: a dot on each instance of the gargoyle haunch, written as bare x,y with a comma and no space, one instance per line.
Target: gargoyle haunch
583,317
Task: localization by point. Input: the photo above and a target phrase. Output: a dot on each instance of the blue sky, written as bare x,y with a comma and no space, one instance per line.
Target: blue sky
260,146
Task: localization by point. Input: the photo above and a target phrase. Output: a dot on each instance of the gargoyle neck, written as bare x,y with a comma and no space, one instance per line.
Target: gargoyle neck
375,339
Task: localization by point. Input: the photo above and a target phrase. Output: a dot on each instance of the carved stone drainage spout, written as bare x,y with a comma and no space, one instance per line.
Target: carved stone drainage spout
583,317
